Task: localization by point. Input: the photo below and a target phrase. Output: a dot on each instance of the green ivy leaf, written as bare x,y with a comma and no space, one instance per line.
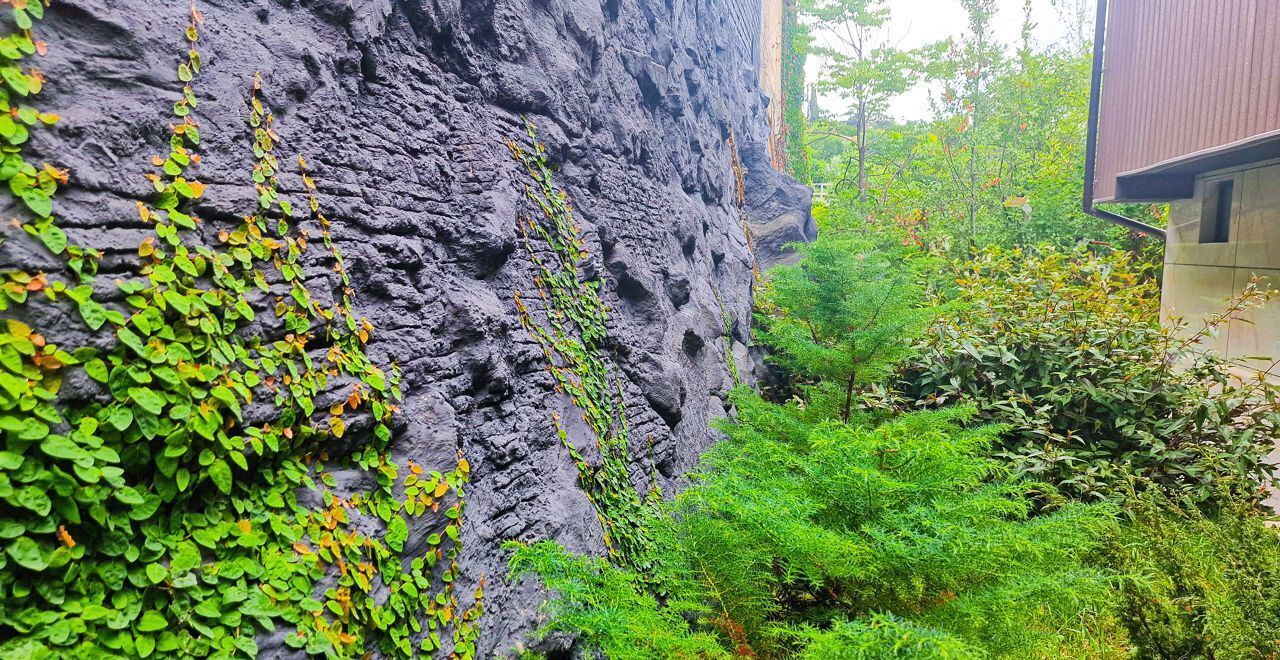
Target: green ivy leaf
16,80
32,498
53,237
228,397
121,417
94,315
128,495
157,573
397,533
40,204
94,611
97,370
220,474
29,554
147,399
151,621
128,338
145,645
10,460
60,447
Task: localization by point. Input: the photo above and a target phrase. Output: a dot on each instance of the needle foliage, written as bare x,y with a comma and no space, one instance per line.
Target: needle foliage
836,321
797,537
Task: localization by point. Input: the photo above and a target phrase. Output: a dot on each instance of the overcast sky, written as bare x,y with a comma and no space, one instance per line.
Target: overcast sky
917,22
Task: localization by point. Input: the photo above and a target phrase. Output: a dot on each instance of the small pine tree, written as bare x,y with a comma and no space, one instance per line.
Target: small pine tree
842,317
804,539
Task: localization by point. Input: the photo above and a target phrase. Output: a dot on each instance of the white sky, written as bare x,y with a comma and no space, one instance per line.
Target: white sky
915,23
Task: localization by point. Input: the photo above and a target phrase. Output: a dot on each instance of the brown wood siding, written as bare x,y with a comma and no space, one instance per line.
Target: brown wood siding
1184,76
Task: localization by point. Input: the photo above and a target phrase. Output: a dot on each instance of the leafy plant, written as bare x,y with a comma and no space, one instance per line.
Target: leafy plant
838,319
1066,348
568,324
602,604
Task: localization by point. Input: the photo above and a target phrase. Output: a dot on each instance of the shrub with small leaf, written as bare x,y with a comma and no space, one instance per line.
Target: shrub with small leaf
839,320
1198,585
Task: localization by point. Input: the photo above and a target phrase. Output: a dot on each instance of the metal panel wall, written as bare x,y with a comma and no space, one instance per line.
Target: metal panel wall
1183,76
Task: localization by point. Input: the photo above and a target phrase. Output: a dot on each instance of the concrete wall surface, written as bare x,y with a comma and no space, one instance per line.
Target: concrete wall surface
1201,278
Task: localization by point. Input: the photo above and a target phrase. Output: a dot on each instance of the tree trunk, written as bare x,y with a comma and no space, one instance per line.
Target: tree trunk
848,397
862,152
973,196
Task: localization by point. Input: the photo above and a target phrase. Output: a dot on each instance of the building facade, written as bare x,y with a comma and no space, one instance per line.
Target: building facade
1186,110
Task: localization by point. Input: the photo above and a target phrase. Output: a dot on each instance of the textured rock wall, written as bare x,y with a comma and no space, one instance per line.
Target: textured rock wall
402,108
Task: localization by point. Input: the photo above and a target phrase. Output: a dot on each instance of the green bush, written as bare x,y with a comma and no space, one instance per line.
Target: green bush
885,636
601,604
796,537
1067,350
1198,586
839,320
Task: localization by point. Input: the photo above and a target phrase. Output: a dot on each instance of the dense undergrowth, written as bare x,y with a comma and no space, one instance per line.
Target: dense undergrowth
1066,347
933,482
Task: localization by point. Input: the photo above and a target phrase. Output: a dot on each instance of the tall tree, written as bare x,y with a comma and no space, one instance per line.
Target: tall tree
861,64
976,61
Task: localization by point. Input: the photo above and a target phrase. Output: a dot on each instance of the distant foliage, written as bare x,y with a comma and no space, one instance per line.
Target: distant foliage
795,52
839,320
797,539
1199,586
1067,349
1000,161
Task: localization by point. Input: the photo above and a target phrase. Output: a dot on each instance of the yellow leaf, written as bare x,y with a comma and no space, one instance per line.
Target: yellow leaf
19,329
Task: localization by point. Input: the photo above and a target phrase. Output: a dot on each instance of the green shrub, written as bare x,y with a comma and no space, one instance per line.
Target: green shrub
839,320
602,605
1067,350
796,537
885,636
1198,586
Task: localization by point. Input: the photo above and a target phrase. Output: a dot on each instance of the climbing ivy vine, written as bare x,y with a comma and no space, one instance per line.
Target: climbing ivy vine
567,320
190,507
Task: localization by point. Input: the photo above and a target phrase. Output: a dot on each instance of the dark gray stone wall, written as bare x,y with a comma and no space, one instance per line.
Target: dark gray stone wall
402,108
